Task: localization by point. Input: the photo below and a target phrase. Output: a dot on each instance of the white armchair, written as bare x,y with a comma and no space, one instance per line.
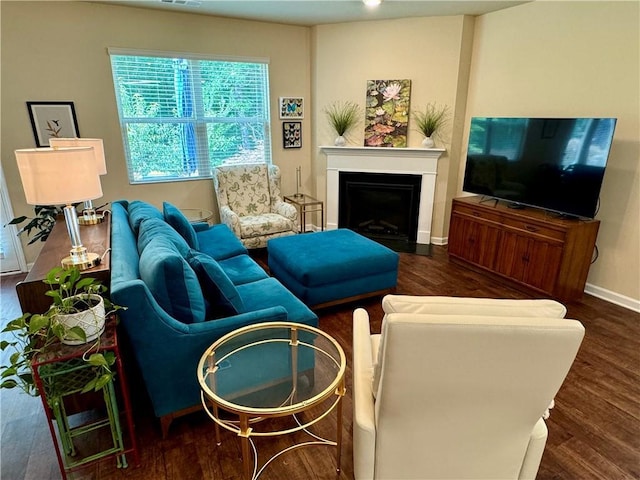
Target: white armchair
250,204
455,388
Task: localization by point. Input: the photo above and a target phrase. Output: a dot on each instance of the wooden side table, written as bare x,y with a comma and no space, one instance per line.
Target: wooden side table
97,239
306,204
61,372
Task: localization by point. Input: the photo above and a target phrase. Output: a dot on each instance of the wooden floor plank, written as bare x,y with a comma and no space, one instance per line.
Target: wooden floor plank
594,430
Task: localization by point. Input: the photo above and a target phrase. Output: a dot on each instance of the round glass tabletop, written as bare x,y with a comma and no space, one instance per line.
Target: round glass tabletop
272,368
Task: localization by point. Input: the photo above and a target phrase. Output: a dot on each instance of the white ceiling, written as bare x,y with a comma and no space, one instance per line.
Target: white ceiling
312,12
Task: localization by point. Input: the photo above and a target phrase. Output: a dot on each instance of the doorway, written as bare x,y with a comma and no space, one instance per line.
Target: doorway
11,255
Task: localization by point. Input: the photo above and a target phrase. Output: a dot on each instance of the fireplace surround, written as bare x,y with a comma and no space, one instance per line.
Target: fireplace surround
422,162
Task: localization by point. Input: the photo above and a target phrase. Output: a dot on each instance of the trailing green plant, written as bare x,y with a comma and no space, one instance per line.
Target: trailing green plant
343,116
27,336
42,223
430,121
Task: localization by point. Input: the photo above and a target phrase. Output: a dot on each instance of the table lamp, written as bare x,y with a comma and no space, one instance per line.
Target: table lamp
89,215
65,175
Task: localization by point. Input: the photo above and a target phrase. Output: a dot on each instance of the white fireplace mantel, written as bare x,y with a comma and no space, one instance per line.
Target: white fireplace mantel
412,161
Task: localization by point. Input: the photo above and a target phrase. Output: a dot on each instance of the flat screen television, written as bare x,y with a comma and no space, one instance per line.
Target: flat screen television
555,164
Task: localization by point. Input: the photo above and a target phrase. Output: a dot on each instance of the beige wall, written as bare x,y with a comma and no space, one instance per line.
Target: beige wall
426,50
543,58
574,59
57,51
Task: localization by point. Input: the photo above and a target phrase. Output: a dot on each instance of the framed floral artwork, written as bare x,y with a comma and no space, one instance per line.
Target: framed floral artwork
52,120
292,134
292,107
387,113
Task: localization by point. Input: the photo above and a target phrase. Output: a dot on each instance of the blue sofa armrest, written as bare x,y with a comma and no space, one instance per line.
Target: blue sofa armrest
168,351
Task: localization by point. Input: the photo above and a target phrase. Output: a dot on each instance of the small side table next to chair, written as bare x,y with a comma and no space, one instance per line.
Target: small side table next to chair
306,204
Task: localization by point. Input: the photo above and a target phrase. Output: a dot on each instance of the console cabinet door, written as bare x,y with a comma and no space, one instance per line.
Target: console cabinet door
474,241
529,260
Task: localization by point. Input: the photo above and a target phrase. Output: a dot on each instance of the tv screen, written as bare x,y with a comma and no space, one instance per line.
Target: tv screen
555,164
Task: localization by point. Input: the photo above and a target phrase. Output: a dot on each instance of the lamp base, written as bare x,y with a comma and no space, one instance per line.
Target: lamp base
90,217
83,262
93,219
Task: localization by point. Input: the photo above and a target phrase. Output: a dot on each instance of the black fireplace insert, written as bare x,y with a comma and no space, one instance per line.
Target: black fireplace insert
381,206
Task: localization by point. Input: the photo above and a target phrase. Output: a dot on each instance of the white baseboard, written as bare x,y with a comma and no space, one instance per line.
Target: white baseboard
439,240
613,297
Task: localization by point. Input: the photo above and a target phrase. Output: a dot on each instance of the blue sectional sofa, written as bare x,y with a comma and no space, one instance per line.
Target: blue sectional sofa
185,286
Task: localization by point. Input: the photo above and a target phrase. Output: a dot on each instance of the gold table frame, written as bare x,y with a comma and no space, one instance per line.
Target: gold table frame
248,416
306,204
197,215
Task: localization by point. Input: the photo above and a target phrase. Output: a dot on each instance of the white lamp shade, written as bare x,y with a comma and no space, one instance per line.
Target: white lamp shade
96,143
58,176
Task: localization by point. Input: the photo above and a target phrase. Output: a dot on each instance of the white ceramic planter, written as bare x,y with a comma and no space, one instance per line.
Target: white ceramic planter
91,321
428,142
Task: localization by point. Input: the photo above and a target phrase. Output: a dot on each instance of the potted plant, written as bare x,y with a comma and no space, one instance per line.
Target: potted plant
342,116
430,122
76,316
42,223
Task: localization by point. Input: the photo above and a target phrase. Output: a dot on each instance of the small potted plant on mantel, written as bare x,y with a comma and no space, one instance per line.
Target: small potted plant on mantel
342,116
76,317
430,122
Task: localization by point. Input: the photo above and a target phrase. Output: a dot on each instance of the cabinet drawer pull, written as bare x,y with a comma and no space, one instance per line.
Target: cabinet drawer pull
530,228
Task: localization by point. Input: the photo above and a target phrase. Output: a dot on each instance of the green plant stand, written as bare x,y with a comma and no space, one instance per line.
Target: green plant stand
63,379
60,373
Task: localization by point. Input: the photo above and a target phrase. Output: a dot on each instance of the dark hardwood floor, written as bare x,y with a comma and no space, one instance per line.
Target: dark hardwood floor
594,430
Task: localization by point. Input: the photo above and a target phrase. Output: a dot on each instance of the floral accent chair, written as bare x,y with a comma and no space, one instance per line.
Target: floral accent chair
250,203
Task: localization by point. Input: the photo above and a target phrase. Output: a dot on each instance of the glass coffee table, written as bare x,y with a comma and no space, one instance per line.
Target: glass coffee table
254,376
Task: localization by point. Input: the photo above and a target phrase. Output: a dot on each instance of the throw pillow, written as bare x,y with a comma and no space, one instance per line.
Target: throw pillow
219,292
172,282
152,228
177,220
139,211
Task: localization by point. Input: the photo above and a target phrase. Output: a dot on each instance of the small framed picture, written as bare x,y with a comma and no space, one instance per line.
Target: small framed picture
291,107
292,134
52,120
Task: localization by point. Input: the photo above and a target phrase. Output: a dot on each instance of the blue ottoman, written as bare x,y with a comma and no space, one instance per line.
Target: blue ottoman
334,266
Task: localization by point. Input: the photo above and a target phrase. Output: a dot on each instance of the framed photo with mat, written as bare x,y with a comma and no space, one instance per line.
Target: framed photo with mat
52,120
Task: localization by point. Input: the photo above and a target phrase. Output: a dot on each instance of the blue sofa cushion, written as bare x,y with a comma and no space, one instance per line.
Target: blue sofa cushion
219,242
270,292
151,228
242,269
171,281
177,220
222,297
139,211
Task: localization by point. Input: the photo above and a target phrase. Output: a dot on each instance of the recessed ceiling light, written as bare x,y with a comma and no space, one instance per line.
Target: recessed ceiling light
372,3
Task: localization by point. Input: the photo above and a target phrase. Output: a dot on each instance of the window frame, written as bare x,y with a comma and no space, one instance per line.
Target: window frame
200,122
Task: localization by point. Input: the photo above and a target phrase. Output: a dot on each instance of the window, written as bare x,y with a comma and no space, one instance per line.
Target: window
181,115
